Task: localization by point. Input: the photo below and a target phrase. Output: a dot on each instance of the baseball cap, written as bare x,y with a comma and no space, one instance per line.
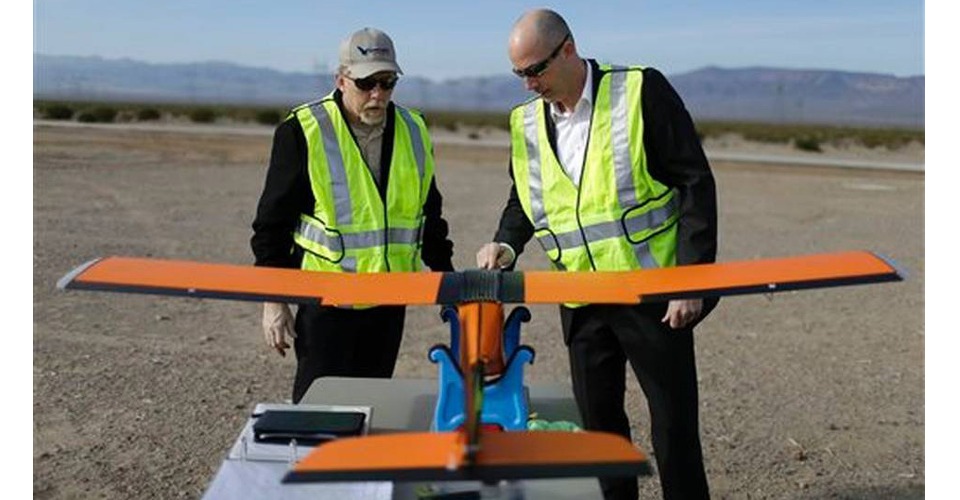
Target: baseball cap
366,52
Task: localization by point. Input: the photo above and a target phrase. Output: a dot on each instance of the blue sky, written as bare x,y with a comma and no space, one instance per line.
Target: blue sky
443,39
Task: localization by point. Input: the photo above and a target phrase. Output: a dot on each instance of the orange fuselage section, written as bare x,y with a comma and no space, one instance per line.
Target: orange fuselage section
481,336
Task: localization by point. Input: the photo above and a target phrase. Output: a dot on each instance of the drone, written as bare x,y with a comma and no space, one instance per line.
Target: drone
479,429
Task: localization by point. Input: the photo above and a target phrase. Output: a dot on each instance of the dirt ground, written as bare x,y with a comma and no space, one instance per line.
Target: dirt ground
812,394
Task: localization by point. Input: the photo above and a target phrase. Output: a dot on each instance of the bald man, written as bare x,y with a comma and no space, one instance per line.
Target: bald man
609,175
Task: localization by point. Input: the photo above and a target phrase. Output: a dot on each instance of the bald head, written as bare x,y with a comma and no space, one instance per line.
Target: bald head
543,53
537,30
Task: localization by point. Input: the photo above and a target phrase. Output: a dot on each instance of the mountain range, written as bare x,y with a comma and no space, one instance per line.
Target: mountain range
749,94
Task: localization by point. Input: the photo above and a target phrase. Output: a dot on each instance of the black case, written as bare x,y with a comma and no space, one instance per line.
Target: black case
307,427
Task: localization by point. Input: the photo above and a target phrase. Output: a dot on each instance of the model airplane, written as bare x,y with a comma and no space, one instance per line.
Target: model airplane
480,417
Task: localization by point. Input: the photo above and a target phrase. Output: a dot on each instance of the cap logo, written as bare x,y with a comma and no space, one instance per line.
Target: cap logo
373,50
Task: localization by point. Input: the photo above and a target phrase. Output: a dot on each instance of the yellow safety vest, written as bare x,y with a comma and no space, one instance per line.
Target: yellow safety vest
350,229
619,218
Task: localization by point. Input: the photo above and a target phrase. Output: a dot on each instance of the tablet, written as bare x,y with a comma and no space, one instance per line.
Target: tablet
307,427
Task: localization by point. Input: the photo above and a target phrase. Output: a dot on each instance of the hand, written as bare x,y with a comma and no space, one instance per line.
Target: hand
681,313
494,256
277,326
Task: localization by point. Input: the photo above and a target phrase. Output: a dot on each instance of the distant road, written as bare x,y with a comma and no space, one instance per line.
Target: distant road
813,161
261,130
190,128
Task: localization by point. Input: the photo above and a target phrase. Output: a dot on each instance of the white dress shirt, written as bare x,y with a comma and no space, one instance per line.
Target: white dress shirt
573,127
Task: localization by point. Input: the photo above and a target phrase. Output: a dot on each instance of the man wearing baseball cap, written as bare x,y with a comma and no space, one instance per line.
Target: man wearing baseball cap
350,188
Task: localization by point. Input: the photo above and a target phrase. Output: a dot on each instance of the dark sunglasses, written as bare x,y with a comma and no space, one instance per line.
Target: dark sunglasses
537,69
367,84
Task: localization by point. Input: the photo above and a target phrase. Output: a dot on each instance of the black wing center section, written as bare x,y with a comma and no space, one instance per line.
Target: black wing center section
478,285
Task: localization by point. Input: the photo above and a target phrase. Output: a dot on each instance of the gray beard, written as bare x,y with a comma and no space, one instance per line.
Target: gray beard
372,120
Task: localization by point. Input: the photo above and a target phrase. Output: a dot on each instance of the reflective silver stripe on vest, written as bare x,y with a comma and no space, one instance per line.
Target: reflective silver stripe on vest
613,229
654,218
623,168
403,236
374,238
416,139
642,251
363,239
343,211
533,161
359,240
349,264
319,236
620,139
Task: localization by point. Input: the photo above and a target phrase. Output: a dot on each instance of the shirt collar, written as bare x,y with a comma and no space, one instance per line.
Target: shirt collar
586,97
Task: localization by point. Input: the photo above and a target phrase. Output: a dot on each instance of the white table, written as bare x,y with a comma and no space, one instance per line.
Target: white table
397,405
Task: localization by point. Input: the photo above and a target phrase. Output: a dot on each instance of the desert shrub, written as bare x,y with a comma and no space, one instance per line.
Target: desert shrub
104,114
148,114
808,143
785,133
268,117
58,112
202,115
890,138
454,120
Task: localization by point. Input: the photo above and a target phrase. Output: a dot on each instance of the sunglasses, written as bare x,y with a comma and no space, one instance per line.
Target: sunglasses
537,69
367,84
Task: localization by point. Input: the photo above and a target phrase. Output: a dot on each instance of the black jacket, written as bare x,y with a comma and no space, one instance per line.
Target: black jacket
287,194
674,157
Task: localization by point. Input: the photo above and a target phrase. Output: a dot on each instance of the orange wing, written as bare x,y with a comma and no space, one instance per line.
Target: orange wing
224,281
705,280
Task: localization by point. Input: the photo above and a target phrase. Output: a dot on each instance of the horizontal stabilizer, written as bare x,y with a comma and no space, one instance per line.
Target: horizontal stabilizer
438,456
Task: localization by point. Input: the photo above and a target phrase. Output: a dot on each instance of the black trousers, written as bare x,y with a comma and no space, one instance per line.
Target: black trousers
345,343
601,339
